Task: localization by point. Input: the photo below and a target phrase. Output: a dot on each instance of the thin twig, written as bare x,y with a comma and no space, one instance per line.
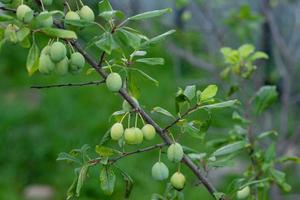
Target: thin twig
189,111
125,154
69,85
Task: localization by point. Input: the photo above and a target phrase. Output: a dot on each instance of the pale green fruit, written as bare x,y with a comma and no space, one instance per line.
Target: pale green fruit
127,107
116,131
243,193
160,171
71,15
48,22
114,82
77,61
24,13
175,152
10,33
86,13
130,136
58,52
178,180
148,131
138,135
47,2
46,50
46,66
62,67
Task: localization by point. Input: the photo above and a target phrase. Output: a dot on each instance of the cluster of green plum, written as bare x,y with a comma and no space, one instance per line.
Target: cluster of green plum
54,58
132,135
85,14
161,172
26,14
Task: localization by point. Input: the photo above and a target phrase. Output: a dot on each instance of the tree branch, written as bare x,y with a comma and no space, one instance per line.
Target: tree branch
125,154
69,85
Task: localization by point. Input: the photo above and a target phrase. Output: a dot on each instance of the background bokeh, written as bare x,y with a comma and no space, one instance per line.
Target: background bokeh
36,125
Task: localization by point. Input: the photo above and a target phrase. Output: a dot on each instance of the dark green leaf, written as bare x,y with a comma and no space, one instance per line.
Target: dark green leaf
148,77
60,33
104,6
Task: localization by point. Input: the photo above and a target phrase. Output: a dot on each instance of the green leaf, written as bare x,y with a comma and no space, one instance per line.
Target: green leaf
67,157
23,33
33,59
264,98
4,17
285,159
109,15
191,130
104,6
107,179
150,14
129,183
145,75
151,61
272,134
162,111
129,38
245,50
72,189
78,23
81,178
230,148
158,38
190,91
106,43
221,105
259,55
209,92
104,151
60,33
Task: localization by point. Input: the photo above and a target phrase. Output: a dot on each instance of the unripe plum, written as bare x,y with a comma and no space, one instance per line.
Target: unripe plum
62,67
178,180
138,135
77,61
24,13
148,131
46,66
116,131
58,52
71,15
160,171
130,136
175,152
87,14
114,82
243,193
48,22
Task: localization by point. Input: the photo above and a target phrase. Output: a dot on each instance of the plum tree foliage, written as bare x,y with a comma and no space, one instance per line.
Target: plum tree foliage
121,47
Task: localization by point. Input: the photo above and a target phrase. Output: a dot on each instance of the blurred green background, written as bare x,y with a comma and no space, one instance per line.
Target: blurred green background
36,125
